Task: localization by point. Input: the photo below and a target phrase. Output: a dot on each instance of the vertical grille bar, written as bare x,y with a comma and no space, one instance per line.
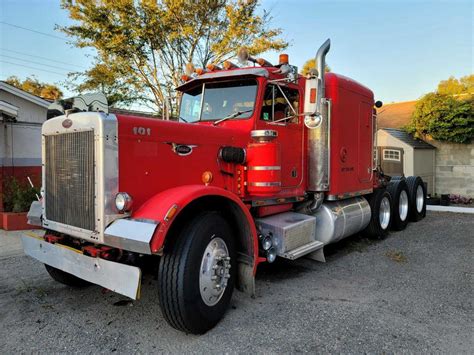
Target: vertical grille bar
70,179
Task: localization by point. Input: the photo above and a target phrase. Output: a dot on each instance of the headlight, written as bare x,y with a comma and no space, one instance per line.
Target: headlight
271,255
123,202
266,243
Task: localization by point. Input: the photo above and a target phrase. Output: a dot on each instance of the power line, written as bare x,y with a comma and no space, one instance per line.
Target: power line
35,31
40,57
26,66
33,62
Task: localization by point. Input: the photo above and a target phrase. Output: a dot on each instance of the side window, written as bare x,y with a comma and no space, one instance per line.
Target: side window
279,104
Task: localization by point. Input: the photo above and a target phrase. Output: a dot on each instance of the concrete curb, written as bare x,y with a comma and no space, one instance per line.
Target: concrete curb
450,209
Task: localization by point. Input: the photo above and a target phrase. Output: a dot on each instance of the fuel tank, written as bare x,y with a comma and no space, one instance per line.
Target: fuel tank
336,220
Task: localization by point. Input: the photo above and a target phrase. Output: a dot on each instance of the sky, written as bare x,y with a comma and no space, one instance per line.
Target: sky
400,49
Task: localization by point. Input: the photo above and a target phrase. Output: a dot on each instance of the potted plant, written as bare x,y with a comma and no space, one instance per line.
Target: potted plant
17,199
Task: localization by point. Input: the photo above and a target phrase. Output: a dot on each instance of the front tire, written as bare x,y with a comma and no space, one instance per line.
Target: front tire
381,214
398,190
196,275
66,278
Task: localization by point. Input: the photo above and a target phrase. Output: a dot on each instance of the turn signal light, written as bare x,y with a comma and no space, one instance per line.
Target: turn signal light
171,212
206,177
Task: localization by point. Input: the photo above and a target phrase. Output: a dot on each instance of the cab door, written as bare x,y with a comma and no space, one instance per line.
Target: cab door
278,113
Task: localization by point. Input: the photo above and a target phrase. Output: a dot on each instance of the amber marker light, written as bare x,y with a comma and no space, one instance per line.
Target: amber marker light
199,71
171,213
283,59
229,65
206,177
185,78
213,67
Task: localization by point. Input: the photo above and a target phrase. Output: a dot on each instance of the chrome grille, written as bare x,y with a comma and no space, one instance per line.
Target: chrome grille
70,179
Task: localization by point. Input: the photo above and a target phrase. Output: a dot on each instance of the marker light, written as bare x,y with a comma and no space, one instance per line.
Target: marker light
206,177
185,77
229,65
283,59
199,71
123,201
213,67
264,63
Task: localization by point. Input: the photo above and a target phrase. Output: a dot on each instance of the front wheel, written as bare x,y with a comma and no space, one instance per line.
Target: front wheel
196,275
66,278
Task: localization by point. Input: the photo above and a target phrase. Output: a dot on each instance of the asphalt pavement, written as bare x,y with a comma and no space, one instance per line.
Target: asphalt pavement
410,293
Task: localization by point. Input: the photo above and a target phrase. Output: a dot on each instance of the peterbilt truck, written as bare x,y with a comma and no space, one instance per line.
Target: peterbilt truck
263,163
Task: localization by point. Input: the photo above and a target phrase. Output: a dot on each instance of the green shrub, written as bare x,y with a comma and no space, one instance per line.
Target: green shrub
18,197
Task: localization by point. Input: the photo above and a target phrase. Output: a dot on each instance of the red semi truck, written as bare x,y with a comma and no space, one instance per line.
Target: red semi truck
263,163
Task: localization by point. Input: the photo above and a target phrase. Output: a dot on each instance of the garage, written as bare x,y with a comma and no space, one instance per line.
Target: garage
399,153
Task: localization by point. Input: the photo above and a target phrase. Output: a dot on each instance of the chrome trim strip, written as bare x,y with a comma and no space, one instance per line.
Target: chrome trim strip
268,167
131,235
265,184
120,278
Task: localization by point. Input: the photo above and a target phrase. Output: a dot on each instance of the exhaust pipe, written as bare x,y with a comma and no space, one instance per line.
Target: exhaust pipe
321,63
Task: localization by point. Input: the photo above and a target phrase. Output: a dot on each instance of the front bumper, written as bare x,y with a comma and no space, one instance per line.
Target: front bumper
117,277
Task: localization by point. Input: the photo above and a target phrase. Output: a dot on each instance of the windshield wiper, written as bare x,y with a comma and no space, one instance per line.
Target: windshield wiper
181,118
233,115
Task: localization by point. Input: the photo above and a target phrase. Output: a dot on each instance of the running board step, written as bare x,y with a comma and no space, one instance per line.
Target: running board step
302,250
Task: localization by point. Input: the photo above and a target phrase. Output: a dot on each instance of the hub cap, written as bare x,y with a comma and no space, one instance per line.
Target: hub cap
384,213
420,198
214,272
403,205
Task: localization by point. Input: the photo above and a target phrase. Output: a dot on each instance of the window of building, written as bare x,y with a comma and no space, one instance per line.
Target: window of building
391,154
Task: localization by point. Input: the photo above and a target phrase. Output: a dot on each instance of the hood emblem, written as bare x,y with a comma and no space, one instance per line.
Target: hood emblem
182,149
67,123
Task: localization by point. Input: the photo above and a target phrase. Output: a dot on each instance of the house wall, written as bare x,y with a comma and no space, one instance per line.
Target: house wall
454,168
20,143
423,166
386,140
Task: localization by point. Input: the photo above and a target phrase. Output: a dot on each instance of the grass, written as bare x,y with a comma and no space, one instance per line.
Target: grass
397,256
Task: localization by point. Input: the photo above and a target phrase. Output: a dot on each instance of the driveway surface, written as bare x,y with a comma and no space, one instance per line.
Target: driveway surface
409,293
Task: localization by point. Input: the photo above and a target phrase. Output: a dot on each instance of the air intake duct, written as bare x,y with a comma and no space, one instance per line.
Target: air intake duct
233,155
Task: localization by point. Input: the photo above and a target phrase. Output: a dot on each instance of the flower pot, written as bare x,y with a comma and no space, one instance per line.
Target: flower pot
12,221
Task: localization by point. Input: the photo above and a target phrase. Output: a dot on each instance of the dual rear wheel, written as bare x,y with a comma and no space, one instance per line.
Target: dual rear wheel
402,201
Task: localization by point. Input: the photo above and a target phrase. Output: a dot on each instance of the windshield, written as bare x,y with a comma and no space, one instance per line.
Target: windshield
220,100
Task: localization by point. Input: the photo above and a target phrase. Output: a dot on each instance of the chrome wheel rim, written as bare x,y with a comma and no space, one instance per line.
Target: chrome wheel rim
384,213
420,198
403,205
214,272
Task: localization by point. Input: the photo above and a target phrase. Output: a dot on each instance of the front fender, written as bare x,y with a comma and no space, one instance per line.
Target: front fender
157,207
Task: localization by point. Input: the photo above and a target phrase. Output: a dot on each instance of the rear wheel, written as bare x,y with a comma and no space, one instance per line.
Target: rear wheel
380,205
66,278
196,276
417,198
398,190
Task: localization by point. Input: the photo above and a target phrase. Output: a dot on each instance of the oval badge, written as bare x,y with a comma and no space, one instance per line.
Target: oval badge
183,150
67,123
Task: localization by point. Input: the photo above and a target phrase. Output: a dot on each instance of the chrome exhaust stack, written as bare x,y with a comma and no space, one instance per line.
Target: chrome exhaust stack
318,122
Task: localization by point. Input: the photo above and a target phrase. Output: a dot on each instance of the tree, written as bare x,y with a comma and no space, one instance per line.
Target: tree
35,87
444,118
311,64
453,86
148,42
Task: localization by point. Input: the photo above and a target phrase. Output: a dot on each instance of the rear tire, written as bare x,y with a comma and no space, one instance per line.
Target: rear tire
398,190
196,275
381,210
66,278
417,196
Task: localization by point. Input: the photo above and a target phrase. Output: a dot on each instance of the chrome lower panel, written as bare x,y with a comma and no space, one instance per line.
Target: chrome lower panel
131,235
117,277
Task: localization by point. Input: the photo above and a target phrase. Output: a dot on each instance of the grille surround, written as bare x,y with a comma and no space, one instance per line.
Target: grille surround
70,179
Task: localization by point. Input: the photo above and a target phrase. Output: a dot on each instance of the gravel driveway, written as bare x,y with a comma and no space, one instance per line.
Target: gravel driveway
409,293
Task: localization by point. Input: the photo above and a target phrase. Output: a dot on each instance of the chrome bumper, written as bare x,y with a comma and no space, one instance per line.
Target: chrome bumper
120,278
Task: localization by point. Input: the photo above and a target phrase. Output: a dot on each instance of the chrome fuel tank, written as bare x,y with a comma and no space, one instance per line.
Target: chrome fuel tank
336,220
